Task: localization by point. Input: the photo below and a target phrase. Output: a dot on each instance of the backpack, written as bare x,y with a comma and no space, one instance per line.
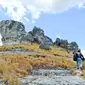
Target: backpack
74,57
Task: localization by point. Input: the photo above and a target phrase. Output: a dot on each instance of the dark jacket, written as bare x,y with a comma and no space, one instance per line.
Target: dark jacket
76,56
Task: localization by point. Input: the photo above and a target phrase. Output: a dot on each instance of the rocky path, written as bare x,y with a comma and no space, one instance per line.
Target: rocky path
58,76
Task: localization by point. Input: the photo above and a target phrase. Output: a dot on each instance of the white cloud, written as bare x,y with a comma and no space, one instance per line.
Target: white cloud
81,5
27,19
17,14
18,9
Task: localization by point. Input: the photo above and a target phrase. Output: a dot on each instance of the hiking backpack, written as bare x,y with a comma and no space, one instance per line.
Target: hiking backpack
74,57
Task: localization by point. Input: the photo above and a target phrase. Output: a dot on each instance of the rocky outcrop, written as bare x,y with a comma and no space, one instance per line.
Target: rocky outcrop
38,34
27,38
73,46
46,43
13,32
40,38
61,43
66,44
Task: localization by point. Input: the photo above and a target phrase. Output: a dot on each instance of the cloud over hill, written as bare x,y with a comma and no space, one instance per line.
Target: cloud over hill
21,9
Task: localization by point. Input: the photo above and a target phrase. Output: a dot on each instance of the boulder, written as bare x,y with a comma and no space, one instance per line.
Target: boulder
48,40
61,42
27,38
57,42
73,46
45,46
39,37
65,44
11,31
38,34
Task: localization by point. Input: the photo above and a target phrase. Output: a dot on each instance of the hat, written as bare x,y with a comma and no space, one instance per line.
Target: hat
79,50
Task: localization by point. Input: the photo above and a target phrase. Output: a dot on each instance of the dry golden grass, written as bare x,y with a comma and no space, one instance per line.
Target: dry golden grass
35,47
11,79
83,70
22,64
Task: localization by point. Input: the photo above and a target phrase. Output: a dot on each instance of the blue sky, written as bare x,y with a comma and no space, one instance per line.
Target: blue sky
58,18
68,25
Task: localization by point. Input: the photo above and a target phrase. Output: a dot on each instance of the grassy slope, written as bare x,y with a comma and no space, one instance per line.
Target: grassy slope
20,65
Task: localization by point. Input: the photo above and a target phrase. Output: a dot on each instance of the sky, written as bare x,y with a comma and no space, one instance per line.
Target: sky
58,18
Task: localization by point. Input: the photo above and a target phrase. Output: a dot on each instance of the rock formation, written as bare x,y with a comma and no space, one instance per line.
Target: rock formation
66,44
13,32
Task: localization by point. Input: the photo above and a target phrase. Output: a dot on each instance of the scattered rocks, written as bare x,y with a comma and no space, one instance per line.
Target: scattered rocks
58,76
66,44
45,46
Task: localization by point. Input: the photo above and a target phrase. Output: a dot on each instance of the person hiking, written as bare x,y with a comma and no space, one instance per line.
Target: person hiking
78,57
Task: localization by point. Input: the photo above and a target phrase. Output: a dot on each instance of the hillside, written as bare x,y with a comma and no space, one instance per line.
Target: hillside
17,61
23,53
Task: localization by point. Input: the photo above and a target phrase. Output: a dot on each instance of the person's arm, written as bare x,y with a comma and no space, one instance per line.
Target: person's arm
82,57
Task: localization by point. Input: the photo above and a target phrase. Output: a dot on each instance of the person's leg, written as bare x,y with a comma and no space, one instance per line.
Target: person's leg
79,63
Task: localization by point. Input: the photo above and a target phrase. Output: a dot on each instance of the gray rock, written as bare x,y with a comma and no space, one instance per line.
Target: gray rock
45,45
11,31
27,38
48,40
37,31
39,37
73,46
38,34
52,77
57,42
61,42
65,44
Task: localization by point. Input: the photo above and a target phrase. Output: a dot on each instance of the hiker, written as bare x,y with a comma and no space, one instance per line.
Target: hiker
78,57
